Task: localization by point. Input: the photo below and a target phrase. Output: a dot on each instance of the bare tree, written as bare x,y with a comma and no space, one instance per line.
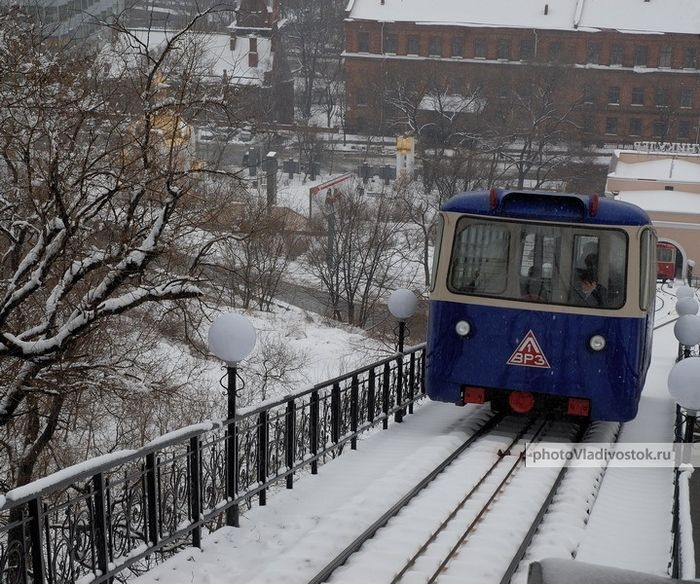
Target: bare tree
310,148
534,121
275,367
357,261
259,253
98,192
314,38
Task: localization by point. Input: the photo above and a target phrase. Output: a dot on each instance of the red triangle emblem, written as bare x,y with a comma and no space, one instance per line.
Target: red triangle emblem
529,353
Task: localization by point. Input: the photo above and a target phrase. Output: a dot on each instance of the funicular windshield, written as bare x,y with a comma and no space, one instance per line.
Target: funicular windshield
541,263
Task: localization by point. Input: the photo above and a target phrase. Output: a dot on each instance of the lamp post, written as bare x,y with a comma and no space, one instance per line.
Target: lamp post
683,387
402,305
687,332
231,338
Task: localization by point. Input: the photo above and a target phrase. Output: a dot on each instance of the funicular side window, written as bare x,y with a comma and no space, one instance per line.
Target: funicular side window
439,227
647,271
479,262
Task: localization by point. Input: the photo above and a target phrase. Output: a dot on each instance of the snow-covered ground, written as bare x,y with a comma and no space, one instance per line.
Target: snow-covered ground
301,530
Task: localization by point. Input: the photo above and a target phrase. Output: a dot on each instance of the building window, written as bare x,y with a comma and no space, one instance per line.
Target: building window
665,55
435,46
479,48
527,49
253,45
616,52
691,58
363,42
641,54
458,46
456,85
593,53
588,125
686,97
661,97
613,95
413,47
611,125
660,129
684,129
637,96
362,96
635,127
503,52
554,52
391,43
588,93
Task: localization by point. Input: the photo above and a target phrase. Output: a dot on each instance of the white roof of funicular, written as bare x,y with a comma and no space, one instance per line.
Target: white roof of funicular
635,16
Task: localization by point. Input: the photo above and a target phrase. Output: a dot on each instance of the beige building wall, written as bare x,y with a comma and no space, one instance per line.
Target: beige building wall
667,186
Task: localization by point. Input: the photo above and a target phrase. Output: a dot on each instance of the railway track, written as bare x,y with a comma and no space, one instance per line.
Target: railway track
483,469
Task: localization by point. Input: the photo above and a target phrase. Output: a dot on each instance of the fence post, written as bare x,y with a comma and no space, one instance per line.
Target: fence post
371,396
195,490
398,414
262,455
34,506
353,411
290,446
100,529
335,413
422,371
152,498
313,431
386,394
411,381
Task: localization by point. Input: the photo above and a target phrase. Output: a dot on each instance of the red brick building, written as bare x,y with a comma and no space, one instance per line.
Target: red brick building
629,68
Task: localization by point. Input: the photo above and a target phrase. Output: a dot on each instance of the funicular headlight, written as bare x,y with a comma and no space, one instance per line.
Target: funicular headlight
597,342
462,328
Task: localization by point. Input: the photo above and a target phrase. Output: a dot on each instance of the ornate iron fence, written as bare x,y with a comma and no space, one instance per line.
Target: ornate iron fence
117,515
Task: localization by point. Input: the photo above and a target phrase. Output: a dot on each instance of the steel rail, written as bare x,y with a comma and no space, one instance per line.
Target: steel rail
530,535
501,456
343,556
487,506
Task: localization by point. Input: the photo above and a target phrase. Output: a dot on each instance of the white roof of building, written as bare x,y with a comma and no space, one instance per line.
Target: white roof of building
217,57
637,16
669,169
663,201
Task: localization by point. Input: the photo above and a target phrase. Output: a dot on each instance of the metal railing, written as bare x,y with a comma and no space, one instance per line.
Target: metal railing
115,516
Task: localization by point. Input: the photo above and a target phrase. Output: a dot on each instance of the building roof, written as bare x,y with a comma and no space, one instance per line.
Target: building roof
217,57
665,169
634,16
644,177
663,201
